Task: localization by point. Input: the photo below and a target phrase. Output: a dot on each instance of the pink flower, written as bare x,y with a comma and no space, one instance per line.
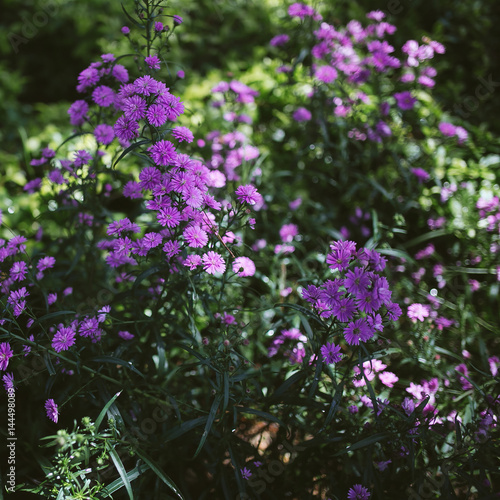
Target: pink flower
213,263
418,312
244,266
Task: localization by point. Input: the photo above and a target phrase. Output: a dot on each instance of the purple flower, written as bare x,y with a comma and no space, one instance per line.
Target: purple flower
156,115
357,330
52,411
420,174
158,26
163,153
331,353
447,129
246,473
63,339
126,335
177,19
78,112
8,381
82,158
18,271
213,263
104,134
125,129
183,134
87,78
5,354
125,30
247,194
301,115
279,40
103,96
134,107
152,61
195,236
193,261
244,266
326,74
358,492
404,100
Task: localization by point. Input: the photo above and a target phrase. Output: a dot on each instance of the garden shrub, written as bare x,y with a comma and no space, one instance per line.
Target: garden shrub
299,268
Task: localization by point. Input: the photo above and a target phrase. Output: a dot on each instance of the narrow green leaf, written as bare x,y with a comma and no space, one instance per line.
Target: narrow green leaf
131,19
181,429
144,275
376,438
131,475
226,392
129,149
117,361
208,425
425,237
262,414
104,410
121,470
159,472
287,384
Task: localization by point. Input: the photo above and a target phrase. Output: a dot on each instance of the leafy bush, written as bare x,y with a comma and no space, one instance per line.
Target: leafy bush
297,264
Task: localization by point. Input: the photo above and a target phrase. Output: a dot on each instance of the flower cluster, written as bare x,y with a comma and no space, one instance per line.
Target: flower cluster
356,299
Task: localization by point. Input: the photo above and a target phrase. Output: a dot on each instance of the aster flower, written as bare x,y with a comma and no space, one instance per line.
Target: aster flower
213,263
87,78
134,107
52,410
8,382
125,129
358,492
183,134
126,335
244,266
5,354
103,96
163,153
193,261
246,473
120,73
78,112
195,236
331,353
173,106
404,100
144,85
125,30
247,194
169,217
18,271
153,61
420,174
418,311
279,40
388,378
63,339
156,115
357,331
82,158
104,134
288,232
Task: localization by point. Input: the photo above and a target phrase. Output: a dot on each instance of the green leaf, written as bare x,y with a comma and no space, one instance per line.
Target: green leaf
181,429
131,475
262,414
159,472
131,19
376,438
144,275
425,237
117,361
121,470
208,425
104,410
287,384
129,149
